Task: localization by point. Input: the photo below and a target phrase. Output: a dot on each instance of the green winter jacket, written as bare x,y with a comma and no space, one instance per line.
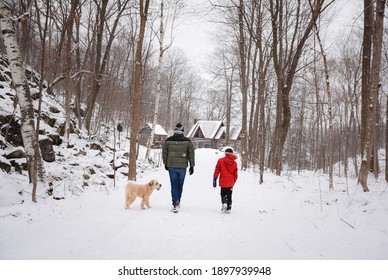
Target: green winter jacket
178,151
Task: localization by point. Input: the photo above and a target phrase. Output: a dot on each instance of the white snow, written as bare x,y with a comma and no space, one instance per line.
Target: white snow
289,217
282,219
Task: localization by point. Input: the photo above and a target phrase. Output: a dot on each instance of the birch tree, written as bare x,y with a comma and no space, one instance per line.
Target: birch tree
23,94
162,49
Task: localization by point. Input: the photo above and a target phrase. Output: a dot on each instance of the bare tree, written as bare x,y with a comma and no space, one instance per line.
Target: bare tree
102,54
23,94
42,34
257,25
244,86
228,72
372,52
135,112
330,111
162,49
223,67
285,60
176,65
68,64
348,72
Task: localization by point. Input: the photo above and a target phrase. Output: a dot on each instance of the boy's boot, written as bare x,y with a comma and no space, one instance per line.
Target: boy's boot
224,204
228,208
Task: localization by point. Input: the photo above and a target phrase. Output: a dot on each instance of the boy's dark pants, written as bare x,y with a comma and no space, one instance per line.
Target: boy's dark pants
226,197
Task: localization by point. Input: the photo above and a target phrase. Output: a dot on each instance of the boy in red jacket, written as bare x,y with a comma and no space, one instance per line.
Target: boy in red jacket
226,168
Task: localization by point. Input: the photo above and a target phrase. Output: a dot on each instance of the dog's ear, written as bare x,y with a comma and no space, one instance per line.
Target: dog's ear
151,183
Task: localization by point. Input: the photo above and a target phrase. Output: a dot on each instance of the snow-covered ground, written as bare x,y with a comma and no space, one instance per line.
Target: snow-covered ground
293,217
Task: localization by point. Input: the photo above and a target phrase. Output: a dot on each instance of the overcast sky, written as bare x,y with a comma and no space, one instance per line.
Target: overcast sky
194,32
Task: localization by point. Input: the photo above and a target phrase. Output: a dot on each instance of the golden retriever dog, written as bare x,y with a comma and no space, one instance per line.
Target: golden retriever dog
144,191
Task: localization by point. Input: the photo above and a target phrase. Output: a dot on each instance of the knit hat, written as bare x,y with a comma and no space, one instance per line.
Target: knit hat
178,127
229,150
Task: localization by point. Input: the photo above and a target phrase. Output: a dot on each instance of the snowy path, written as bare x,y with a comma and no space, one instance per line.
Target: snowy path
280,220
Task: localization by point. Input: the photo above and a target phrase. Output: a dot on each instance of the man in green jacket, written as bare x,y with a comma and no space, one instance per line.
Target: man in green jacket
178,151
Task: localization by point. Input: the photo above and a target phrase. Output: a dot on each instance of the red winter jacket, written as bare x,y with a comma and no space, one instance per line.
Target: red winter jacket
227,169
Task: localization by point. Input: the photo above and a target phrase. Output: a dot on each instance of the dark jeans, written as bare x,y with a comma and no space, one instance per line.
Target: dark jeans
226,197
177,178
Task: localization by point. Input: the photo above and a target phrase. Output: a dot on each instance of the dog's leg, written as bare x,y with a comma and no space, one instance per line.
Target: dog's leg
129,200
143,201
148,202
126,201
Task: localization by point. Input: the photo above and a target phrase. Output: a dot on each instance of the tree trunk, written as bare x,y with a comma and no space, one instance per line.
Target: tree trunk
263,69
162,49
370,83
135,112
229,95
252,131
330,111
366,58
262,86
158,81
262,130
78,85
67,68
378,33
98,71
38,164
386,142
244,89
23,94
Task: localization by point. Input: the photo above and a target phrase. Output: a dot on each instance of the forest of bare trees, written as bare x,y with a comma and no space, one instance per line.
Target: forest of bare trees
305,99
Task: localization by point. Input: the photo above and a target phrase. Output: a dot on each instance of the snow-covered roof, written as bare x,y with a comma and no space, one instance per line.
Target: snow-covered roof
209,129
158,129
213,130
234,132
220,132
